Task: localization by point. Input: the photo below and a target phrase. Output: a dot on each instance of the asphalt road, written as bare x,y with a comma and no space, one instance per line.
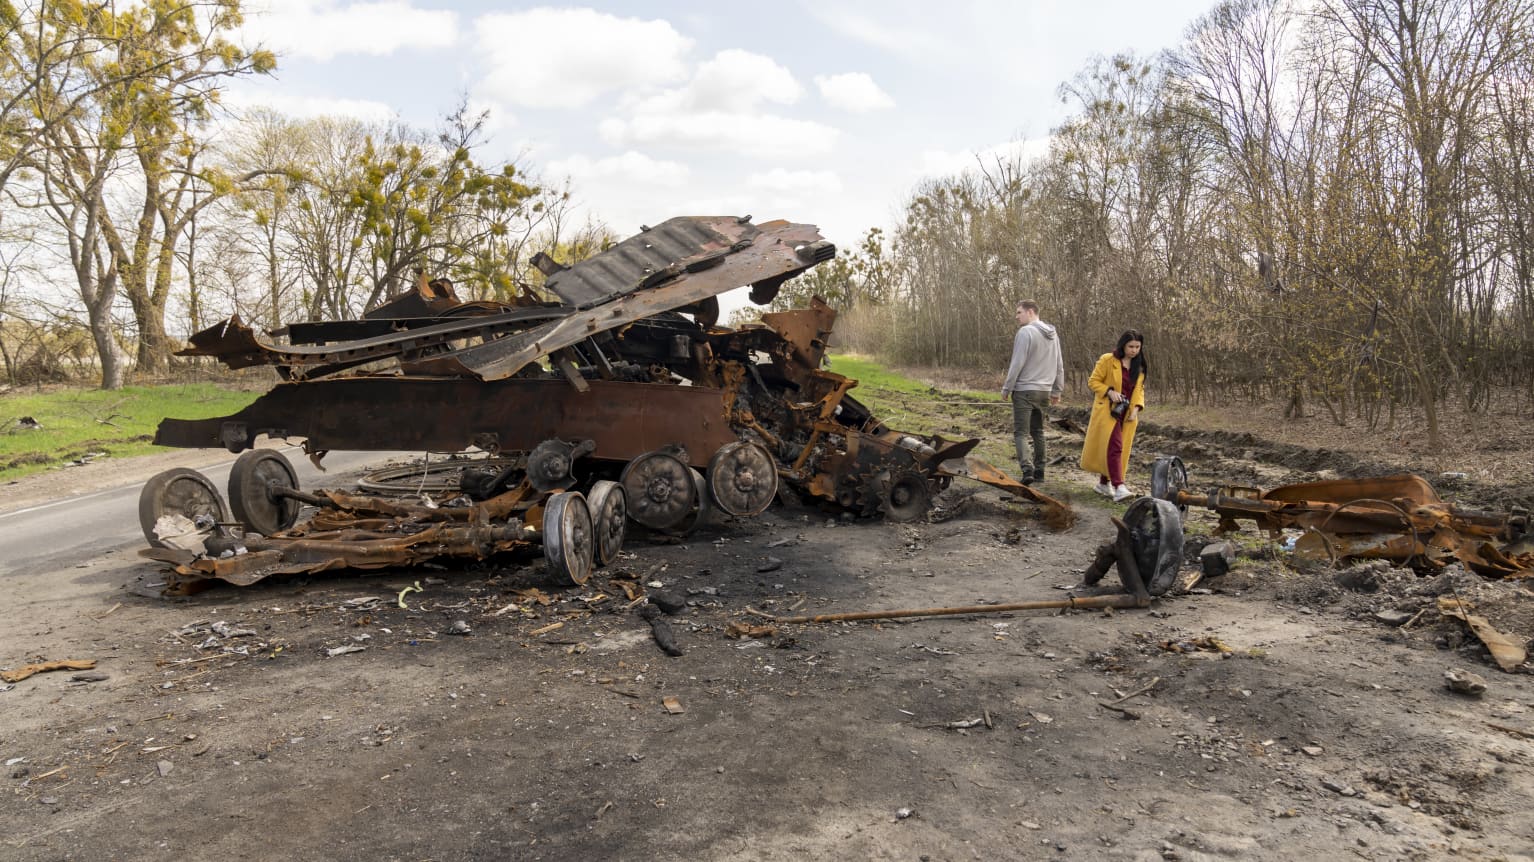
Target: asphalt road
63,533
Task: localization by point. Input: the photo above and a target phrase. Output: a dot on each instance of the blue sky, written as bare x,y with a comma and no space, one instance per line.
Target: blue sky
823,112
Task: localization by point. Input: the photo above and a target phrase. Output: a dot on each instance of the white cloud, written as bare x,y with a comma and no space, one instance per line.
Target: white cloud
323,30
736,79
566,58
853,91
942,163
762,135
796,182
886,28
720,109
309,106
631,166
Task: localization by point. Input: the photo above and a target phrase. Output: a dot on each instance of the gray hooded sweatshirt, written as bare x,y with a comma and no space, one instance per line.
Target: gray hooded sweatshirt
1036,361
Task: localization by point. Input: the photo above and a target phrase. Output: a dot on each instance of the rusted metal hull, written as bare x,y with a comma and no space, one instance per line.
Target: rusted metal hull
451,414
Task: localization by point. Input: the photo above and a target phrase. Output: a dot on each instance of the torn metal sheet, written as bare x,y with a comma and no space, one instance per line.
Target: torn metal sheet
1508,653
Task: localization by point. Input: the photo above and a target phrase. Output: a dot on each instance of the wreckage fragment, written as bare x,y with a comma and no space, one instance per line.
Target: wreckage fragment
1397,518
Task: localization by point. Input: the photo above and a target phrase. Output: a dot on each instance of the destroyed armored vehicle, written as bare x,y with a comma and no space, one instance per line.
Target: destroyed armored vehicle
624,399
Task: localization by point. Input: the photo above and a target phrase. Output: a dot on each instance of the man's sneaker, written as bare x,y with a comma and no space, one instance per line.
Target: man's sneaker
1103,488
1121,493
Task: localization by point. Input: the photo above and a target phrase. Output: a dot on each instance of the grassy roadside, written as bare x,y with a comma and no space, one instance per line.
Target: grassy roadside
71,424
908,404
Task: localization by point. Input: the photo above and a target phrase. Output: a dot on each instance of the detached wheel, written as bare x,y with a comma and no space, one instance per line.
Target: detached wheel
1168,478
567,537
609,520
660,490
742,479
1155,529
178,491
253,482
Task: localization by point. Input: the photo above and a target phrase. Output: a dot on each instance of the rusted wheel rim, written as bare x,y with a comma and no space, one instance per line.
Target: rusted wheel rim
567,537
660,490
253,482
609,519
742,478
178,491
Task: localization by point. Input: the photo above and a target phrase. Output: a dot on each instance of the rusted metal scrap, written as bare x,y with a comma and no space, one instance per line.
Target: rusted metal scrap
685,416
1399,518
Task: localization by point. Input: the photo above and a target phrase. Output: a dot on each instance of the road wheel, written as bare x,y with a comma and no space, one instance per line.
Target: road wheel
253,482
609,519
178,491
567,537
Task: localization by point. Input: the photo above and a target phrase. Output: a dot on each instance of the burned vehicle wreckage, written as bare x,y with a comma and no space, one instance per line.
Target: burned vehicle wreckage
622,400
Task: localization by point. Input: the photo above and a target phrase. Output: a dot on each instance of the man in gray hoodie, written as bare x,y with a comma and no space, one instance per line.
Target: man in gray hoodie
1035,378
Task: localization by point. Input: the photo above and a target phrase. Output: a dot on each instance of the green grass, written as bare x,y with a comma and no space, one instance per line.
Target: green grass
120,424
907,404
876,378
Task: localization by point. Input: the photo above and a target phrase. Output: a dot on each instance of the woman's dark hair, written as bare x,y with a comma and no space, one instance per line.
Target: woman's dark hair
1138,365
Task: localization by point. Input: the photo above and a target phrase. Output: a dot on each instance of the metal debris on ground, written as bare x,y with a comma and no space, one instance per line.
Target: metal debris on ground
1508,653
25,671
1397,518
612,396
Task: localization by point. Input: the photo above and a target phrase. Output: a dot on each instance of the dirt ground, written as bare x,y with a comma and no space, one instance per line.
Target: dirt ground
1268,714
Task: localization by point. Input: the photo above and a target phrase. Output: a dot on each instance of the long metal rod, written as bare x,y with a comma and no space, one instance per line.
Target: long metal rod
1118,600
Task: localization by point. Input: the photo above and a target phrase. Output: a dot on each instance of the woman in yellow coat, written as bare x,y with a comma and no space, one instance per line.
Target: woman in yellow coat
1119,378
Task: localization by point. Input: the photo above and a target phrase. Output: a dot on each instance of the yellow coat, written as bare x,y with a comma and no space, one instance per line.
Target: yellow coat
1109,374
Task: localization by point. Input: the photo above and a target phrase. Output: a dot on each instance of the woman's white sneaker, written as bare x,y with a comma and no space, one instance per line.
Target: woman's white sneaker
1103,488
1121,493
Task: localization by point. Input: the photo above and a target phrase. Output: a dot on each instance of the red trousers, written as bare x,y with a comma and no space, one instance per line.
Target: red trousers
1116,455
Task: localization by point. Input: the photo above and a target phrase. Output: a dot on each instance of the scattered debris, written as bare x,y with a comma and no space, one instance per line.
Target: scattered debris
1508,653
1194,645
89,676
1398,518
747,630
1217,559
22,673
660,629
669,604
343,650
459,627
672,705
1128,714
904,813
413,588
1464,682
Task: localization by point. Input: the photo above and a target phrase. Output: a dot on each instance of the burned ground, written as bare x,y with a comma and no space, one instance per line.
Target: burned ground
1275,714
